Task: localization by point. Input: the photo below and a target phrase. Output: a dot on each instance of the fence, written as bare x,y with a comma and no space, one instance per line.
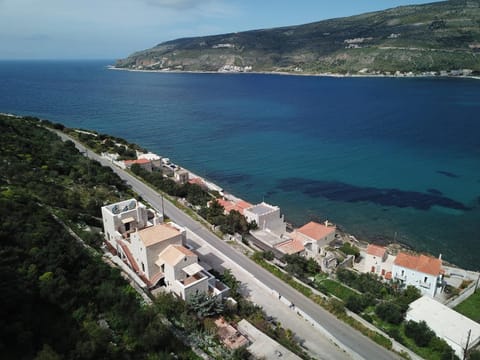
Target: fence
454,301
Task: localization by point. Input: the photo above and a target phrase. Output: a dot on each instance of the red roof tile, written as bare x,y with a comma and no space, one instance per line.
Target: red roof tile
292,246
138,161
376,250
197,181
184,250
129,256
229,205
315,230
422,263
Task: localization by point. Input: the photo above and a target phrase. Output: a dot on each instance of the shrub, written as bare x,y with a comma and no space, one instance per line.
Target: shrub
268,255
336,306
389,312
419,332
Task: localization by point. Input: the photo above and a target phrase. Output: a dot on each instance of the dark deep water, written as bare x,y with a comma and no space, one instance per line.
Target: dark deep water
382,157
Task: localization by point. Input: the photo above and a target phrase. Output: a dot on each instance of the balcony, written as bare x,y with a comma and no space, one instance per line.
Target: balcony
425,285
192,279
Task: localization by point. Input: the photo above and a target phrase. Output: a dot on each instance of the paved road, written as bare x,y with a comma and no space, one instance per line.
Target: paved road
348,338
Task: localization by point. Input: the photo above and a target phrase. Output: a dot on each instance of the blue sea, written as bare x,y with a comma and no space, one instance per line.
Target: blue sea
385,158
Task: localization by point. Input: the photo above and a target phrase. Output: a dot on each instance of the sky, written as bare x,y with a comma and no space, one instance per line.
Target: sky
111,29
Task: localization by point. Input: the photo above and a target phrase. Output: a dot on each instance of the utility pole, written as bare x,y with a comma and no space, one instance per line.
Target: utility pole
465,351
163,210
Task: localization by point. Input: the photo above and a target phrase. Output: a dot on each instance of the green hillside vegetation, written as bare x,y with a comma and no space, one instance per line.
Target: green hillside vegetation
59,300
441,36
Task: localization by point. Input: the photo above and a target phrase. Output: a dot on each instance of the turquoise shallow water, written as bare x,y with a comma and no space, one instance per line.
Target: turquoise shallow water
382,157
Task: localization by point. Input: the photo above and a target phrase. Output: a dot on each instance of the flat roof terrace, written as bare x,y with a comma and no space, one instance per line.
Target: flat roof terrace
268,237
262,209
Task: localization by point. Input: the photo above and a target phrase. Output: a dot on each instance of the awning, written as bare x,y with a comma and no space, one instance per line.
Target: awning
128,220
192,269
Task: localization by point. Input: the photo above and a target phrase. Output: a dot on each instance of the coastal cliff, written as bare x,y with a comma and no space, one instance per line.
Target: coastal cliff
440,38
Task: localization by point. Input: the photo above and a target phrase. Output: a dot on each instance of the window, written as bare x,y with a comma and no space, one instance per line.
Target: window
403,272
425,279
143,267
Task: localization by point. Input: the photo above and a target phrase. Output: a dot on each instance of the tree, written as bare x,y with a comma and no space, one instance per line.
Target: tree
358,303
241,353
300,266
419,332
230,280
389,312
203,305
268,255
47,353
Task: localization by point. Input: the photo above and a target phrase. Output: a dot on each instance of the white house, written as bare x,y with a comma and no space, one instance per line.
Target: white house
375,261
155,160
183,275
143,163
447,324
423,272
123,218
146,244
181,175
155,250
266,217
315,237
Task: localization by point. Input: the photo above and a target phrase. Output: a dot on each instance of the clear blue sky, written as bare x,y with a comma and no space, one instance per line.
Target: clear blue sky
107,29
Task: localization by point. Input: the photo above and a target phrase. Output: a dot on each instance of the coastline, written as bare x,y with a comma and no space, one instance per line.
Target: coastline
284,73
344,233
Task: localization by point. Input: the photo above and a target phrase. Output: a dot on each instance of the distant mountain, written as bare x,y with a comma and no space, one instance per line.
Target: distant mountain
441,36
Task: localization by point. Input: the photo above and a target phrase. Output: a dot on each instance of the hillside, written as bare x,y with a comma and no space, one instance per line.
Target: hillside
60,300
442,36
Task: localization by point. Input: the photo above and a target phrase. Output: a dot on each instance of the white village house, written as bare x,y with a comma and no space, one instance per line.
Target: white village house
457,330
156,251
423,272
183,275
315,237
375,261
266,217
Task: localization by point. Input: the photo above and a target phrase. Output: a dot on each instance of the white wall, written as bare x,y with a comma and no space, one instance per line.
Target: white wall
317,246
417,279
112,223
148,255
201,287
375,262
272,220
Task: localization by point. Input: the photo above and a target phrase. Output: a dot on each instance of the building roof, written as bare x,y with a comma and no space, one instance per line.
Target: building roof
422,263
122,206
290,247
138,161
149,156
192,269
198,181
316,231
262,209
376,250
268,237
230,205
173,254
156,234
447,323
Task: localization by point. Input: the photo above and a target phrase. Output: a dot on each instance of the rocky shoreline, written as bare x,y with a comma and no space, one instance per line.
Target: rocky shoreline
285,73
